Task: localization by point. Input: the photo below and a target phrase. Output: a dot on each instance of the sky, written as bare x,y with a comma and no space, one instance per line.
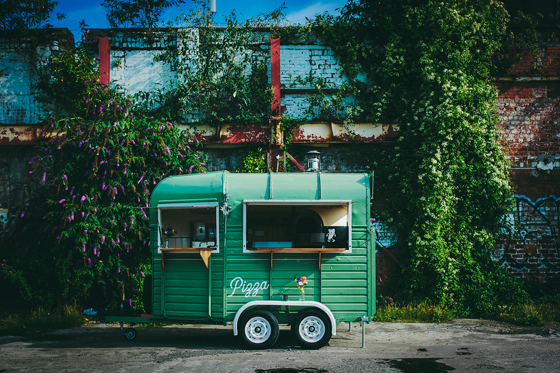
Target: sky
297,10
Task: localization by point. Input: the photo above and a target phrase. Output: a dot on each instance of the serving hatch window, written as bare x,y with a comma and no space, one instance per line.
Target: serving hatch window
297,225
189,226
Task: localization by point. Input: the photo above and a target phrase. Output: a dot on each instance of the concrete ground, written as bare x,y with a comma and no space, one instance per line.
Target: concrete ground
463,345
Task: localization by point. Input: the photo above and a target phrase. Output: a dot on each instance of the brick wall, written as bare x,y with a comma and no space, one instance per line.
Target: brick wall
529,108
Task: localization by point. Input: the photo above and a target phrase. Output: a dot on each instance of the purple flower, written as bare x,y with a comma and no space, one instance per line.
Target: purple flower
83,199
203,164
190,168
229,99
180,155
188,147
84,246
22,214
167,150
44,176
196,156
89,261
61,201
102,240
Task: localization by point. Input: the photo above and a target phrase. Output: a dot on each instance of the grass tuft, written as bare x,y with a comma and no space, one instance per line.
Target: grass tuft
40,321
422,312
530,315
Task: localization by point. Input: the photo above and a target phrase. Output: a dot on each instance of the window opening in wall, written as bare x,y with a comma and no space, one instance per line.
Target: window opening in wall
297,226
189,226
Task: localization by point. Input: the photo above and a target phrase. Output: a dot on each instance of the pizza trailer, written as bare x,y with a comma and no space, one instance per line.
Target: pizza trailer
228,247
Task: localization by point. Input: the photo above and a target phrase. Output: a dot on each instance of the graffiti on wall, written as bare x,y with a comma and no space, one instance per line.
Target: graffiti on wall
531,243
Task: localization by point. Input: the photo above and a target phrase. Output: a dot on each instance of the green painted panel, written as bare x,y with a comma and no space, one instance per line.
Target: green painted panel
333,299
216,292
353,290
344,267
344,283
344,259
344,275
193,283
350,307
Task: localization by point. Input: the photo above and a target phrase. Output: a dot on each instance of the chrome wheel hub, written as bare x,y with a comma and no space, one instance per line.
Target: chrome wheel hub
312,329
258,330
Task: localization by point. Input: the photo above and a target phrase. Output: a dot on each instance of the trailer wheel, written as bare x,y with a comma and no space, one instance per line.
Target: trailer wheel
312,328
259,329
130,334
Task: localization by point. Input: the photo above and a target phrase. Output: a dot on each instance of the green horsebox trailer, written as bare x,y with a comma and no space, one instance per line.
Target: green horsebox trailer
228,248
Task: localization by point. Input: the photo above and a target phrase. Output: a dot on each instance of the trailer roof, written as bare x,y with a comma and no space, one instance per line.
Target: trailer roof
211,186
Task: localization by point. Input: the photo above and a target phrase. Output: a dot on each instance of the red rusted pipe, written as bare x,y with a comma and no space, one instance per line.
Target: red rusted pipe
295,162
105,63
275,75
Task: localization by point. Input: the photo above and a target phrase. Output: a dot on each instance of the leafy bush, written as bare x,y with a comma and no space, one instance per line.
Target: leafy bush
84,236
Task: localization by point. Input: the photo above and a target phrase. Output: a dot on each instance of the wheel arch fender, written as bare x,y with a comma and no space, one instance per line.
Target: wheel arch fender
306,304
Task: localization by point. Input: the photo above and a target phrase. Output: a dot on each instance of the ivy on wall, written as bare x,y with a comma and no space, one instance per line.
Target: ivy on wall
427,68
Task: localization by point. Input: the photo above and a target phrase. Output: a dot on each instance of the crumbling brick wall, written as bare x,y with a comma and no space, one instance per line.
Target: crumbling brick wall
529,108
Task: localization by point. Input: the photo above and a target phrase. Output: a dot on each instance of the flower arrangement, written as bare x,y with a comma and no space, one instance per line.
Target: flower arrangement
301,284
169,231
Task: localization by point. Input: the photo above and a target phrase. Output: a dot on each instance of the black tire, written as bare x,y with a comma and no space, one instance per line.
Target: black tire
129,334
312,328
259,329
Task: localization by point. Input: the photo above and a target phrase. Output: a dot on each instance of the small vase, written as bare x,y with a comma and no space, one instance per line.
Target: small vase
302,296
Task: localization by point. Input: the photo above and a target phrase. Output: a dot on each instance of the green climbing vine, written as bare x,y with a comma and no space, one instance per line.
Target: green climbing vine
427,69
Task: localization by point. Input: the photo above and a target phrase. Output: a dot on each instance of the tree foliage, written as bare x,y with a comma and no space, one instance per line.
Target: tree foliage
427,69
26,14
137,13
